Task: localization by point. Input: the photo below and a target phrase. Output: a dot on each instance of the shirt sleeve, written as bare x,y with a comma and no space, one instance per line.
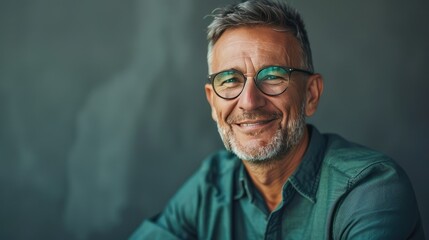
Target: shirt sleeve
179,218
380,204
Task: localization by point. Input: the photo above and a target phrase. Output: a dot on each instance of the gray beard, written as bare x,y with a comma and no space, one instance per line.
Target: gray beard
280,144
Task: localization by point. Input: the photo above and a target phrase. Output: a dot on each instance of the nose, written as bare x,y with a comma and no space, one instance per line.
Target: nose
251,97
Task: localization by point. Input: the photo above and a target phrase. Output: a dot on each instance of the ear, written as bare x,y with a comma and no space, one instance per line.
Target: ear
210,95
314,89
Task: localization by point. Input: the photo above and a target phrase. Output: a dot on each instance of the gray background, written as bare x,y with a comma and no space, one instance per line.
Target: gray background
103,114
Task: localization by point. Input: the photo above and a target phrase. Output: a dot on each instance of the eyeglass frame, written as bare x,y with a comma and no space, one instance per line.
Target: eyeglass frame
289,69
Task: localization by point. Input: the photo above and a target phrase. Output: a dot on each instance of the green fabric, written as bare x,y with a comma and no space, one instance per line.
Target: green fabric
340,191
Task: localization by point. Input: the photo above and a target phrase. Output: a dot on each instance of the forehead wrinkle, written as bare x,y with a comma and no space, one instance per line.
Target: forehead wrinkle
254,47
242,60
259,45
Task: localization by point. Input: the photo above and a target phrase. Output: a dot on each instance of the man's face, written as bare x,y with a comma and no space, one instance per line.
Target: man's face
255,126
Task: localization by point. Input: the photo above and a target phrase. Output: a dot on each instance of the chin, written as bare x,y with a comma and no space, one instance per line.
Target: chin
258,150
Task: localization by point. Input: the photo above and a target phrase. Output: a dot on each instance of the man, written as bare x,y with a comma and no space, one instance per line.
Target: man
280,178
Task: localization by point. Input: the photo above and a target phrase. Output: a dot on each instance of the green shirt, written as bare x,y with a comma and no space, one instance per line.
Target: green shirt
340,190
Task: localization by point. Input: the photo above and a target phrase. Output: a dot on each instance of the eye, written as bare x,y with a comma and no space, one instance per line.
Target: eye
230,81
272,80
271,77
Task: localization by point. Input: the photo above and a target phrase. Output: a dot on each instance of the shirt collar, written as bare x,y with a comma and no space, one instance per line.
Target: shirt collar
242,185
305,179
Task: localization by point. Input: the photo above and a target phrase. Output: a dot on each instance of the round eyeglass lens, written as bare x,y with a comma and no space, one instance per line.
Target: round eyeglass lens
229,84
273,80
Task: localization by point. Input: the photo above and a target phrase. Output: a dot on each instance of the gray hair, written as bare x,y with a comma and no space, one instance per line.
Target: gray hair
260,12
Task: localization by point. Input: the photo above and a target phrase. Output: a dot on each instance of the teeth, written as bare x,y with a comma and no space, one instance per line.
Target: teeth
249,124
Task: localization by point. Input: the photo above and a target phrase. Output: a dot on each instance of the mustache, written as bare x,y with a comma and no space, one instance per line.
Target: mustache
253,115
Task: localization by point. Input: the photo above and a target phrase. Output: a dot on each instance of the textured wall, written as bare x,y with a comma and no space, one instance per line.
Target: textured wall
103,113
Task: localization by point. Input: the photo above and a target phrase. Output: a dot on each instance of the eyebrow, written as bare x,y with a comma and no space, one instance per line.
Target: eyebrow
257,70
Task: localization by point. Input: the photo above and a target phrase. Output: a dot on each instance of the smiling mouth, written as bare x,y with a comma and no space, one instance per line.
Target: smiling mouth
253,123
253,127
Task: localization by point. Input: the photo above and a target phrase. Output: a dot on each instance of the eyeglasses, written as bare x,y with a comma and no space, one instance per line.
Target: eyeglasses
271,80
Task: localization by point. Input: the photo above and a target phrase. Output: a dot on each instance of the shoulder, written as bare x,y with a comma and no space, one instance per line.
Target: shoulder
200,194
377,196
354,161
213,179
219,163
214,172
218,172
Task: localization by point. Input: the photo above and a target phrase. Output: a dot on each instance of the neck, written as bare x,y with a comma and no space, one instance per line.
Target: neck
269,178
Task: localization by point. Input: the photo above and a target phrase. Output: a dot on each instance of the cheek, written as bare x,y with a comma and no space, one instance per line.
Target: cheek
290,108
222,109
298,96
